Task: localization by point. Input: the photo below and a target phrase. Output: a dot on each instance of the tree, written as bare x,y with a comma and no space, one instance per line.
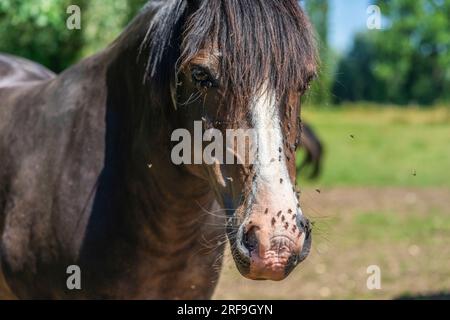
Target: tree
318,11
407,62
37,30
106,22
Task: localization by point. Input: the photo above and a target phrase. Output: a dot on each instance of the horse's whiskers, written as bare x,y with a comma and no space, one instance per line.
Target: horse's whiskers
192,98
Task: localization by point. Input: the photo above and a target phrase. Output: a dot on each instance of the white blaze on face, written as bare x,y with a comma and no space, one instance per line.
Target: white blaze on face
271,173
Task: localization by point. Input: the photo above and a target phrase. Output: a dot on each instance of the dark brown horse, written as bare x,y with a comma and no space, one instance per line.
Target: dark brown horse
87,177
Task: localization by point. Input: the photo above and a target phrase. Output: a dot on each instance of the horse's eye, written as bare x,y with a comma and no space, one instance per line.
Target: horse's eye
307,85
309,81
202,78
199,75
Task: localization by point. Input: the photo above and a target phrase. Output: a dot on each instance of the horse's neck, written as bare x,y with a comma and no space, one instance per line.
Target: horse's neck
158,190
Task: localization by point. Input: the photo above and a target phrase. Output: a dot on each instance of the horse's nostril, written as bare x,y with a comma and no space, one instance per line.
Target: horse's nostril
304,225
250,240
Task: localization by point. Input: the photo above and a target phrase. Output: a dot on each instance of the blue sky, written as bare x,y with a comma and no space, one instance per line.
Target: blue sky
347,17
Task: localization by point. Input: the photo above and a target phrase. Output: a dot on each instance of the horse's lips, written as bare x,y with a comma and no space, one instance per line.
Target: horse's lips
272,267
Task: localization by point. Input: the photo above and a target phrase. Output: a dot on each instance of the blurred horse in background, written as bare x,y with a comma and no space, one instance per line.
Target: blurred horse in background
313,149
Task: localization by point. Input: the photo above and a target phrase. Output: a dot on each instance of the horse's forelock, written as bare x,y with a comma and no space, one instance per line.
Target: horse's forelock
262,42
162,33
268,42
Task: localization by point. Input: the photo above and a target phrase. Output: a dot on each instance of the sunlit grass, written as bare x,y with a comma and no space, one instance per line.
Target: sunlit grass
382,146
390,226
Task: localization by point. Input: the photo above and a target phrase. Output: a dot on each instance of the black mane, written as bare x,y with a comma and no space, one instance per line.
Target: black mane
264,41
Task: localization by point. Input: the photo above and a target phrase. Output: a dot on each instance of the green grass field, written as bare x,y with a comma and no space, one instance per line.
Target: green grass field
384,146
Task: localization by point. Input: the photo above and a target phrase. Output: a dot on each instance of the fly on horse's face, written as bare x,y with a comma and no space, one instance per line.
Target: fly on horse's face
251,75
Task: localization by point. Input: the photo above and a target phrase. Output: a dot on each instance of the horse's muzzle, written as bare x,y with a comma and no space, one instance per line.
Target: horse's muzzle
263,253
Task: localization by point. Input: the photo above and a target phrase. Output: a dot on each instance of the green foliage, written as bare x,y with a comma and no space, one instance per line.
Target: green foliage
408,62
106,19
37,30
318,12
133,7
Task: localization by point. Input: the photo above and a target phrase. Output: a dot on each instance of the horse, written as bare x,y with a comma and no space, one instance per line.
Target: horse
16,69
87,177
314,150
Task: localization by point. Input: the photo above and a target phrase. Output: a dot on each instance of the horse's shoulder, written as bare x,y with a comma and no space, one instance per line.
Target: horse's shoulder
88,77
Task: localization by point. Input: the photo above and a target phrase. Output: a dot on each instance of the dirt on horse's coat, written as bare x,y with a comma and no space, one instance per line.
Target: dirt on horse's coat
76,187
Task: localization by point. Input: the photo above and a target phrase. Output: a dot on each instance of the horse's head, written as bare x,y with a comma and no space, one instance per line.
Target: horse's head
244,64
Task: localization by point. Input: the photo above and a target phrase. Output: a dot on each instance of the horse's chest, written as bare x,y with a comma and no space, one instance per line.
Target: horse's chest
135,269
189,275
